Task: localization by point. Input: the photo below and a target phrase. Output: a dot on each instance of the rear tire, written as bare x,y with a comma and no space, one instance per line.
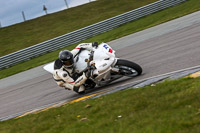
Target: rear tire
128,68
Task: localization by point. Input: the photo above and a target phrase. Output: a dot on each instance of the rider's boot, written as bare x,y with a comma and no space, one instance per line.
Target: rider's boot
79,89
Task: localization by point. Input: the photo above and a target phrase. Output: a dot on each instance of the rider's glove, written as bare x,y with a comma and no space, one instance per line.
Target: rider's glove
88,74
95,44
89,71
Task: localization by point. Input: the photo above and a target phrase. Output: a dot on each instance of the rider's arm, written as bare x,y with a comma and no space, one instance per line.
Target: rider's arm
81,80
64,80
88,46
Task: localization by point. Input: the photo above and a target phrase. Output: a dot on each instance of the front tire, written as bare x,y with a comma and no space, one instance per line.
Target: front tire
89,84
128,68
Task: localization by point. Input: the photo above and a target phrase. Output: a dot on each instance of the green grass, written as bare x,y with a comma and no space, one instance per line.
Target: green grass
35,31
168,107
126,29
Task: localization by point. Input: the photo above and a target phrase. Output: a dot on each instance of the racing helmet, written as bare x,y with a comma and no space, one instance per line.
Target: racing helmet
66,57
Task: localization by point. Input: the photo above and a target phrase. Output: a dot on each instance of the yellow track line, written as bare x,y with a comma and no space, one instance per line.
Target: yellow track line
195,75
56,105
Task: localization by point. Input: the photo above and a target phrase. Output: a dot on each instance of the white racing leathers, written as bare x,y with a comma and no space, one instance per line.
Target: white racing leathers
99,63
63,79
64,76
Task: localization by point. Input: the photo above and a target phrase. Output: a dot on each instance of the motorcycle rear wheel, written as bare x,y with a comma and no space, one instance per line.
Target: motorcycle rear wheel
128,68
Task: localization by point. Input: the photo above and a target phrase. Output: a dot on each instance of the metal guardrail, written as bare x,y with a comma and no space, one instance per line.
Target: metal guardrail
84,33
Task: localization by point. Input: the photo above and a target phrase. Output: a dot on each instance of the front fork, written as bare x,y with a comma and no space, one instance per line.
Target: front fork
114,69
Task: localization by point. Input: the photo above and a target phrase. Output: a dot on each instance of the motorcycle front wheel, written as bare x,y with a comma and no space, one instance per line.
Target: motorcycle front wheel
128,68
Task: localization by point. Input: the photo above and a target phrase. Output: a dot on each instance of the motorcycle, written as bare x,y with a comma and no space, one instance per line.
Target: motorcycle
103,65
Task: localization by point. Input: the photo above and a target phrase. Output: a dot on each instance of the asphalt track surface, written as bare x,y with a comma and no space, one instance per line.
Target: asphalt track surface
162,49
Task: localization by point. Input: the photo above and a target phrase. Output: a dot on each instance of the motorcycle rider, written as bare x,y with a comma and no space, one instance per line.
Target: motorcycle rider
64,73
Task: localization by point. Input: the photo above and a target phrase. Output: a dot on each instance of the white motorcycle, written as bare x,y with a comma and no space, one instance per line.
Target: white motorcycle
104,66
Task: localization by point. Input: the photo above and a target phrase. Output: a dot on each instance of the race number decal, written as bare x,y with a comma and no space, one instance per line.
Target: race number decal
107,47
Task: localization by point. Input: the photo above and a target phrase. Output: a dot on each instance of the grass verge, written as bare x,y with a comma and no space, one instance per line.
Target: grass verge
168,107
126,29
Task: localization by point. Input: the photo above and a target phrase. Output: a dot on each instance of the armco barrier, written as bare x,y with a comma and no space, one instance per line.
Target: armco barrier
84,33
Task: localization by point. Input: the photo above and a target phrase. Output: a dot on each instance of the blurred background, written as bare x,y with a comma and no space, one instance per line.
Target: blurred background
17,11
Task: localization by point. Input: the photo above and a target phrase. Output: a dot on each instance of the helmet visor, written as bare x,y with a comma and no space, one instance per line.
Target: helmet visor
68,63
